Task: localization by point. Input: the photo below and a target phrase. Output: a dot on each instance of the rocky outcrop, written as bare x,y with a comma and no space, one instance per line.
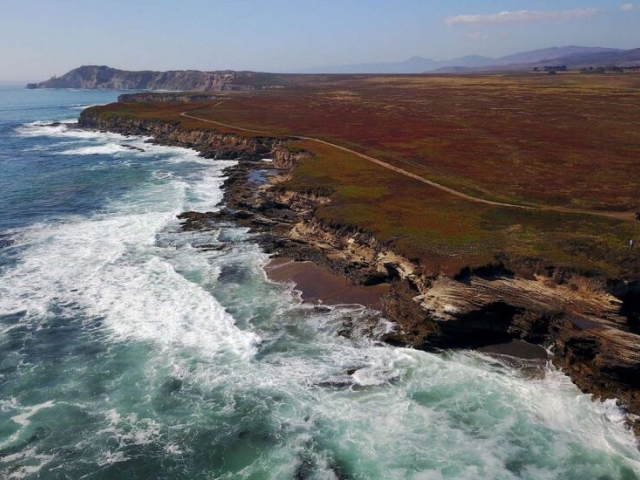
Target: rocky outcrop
208,142
586,327
590,324
107,78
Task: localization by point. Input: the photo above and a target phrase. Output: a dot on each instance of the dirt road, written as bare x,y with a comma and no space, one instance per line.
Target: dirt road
470,198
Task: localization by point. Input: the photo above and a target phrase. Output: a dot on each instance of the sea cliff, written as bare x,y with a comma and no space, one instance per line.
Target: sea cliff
107,78
589,323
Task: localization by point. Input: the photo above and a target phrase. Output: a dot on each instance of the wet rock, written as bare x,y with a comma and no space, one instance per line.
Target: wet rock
194,221
321,309
211,247
132,147
242,215
374,277
233,274
338,384
171,385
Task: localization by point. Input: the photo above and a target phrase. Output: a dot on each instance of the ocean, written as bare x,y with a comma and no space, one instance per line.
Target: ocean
132,350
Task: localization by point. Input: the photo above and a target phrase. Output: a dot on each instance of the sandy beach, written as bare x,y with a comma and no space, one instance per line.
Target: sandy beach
319,285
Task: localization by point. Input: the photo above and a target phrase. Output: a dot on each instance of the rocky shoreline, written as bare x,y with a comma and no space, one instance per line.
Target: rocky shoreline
590,324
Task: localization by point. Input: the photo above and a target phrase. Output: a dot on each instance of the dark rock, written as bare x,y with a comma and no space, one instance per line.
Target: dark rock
338,384
412,329
243,215
580,348
171,385
376,278
486,326
211,247
131,147
194,221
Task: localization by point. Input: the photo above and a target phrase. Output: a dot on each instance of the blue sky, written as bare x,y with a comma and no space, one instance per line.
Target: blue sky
39,38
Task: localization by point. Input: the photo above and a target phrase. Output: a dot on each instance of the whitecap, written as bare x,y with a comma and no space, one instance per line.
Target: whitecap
108,149
162,175
83,107
39,129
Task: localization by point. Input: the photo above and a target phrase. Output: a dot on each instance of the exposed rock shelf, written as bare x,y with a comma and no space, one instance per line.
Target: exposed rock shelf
589,324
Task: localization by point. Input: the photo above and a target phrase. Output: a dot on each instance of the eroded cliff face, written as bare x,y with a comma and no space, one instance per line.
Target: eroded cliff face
589,324
583,321
209,143
586,323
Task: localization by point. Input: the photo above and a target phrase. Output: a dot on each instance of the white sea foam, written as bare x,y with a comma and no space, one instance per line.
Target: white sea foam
173,449
40,129
152,302
38,148
108,149
83,107
23,418
161,175
29,455
110,265
207,193
91,142
448,410
109,458
411,414
62,130
130,430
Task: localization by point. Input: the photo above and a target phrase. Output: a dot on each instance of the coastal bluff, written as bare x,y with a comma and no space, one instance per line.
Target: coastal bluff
106,78
588,321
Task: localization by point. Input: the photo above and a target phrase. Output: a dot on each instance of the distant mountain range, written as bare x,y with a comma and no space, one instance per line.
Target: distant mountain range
572,56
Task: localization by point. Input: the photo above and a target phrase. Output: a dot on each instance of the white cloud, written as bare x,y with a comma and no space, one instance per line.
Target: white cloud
521,16
627,7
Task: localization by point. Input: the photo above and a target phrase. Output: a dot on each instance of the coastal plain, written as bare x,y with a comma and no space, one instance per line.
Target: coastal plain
567,146
495,207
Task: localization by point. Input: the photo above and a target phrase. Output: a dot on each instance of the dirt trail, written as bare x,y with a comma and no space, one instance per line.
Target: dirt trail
616,215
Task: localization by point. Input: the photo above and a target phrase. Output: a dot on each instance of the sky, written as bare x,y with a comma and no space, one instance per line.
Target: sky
41,38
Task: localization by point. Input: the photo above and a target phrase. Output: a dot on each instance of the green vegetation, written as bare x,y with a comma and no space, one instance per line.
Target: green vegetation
447,233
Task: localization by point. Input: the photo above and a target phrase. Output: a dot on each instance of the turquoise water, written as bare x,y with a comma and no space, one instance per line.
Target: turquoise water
127,351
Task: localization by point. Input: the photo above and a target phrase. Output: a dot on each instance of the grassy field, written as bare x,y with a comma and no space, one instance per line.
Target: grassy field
568,140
